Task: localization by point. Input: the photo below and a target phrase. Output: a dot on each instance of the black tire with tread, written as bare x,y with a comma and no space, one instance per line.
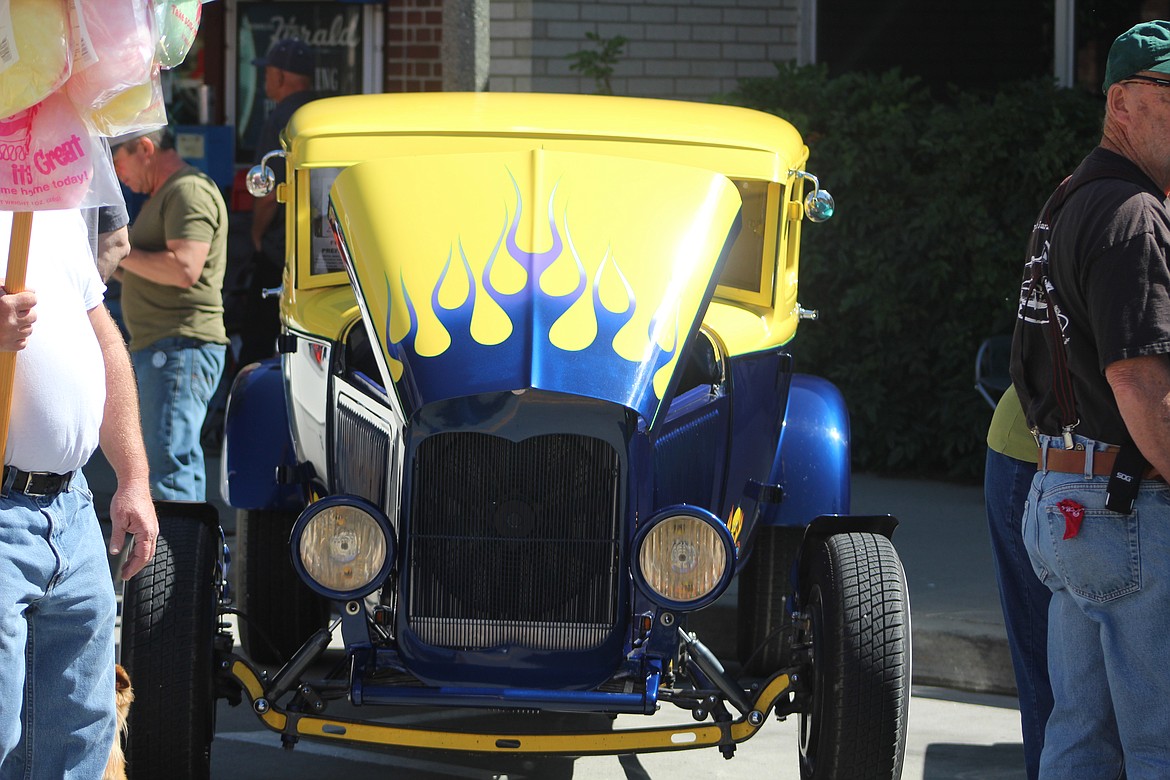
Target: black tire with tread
269,591
855,595
167,647
764,586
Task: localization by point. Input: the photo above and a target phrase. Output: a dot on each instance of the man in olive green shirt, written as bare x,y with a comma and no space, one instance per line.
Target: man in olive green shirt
172,305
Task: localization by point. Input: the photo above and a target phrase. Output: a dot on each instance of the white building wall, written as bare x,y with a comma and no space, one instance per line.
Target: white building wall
684,49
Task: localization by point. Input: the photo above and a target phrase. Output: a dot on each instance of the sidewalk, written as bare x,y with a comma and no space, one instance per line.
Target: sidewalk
958,634
942,539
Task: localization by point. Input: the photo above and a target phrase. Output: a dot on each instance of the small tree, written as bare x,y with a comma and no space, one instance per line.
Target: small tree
598,63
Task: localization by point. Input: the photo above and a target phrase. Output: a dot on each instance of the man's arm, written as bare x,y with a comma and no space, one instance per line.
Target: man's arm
263,212
111,249
131,509
1141,386
179,265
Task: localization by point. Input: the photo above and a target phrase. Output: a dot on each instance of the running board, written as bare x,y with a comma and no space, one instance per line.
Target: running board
651,740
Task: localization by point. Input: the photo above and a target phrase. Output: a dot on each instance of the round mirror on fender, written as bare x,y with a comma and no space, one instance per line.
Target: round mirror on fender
260,181
819,205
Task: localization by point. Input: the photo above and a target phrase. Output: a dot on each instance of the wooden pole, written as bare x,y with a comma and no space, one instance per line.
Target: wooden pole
14,280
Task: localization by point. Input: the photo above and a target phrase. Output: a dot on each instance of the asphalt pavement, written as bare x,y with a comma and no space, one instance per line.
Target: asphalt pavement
963,718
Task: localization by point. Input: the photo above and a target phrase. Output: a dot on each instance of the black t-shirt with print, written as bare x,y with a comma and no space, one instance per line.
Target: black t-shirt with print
1110,246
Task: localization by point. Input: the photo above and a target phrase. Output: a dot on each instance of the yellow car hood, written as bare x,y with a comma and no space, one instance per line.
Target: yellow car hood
568,272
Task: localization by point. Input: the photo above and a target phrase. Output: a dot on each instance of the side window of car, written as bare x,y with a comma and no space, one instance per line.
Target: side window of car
747,276
324,256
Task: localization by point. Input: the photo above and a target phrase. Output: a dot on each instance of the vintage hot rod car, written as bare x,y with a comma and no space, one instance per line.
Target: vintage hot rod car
535,404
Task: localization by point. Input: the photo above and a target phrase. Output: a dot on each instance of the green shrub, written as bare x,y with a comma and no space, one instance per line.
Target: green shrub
935,199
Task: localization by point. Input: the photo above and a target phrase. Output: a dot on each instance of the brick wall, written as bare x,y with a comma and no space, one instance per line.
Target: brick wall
414,36
686,49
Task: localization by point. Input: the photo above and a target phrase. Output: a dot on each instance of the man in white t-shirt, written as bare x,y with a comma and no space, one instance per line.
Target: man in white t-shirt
73,390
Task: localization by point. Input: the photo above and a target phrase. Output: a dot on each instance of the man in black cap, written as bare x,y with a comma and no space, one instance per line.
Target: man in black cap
288,81
1091,362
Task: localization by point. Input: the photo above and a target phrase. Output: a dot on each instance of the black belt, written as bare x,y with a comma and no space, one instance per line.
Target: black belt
39,484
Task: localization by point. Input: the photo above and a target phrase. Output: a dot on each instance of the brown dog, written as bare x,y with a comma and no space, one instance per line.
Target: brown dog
123,695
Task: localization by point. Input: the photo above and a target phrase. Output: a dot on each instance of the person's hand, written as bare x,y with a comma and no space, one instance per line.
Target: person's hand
132,512
17,315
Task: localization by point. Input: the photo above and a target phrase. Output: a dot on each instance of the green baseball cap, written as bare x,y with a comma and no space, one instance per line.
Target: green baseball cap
1144,46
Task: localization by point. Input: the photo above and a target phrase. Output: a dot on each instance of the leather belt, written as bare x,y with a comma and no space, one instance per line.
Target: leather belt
39,484
1073,462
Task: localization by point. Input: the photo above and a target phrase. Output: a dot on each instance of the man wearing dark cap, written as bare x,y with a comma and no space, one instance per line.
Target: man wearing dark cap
288,81
1090,362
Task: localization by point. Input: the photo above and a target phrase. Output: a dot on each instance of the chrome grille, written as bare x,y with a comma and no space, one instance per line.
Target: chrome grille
514,543
362,453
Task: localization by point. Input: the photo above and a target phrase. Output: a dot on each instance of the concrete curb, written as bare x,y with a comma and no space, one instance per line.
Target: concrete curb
961,658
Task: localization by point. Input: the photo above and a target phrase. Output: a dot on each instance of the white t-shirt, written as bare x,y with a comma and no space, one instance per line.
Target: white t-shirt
60,392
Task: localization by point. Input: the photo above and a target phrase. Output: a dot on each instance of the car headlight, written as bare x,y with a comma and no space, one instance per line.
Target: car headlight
342,547
684,558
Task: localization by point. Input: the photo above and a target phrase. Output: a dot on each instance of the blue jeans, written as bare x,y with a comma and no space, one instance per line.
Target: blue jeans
1107,628
1023,597
176,379
57,614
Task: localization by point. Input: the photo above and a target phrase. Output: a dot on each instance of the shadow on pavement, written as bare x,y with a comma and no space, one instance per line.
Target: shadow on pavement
949,761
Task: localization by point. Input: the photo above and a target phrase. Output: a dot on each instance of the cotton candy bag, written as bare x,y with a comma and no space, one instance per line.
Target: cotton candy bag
35,55
47,157
177,22
140,107
113,48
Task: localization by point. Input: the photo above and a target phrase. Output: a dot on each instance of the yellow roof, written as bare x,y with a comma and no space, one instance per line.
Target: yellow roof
736,141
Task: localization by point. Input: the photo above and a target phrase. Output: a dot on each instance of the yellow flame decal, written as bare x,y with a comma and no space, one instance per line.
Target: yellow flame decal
576,328
432,338
507,275
454,289
667,338
611,284
735,524
489,323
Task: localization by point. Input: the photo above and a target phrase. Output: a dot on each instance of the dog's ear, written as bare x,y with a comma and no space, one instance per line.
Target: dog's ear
122,689
121,678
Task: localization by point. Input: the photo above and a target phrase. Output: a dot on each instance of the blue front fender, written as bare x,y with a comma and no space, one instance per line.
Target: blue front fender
812,460
258,442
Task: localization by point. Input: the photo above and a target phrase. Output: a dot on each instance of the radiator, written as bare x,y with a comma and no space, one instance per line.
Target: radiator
362,455
514,543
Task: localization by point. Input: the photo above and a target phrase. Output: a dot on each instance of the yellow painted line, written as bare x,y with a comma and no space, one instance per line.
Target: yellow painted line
586,743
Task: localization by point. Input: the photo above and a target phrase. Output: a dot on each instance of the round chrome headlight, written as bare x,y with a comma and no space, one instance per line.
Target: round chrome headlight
684,558
343,547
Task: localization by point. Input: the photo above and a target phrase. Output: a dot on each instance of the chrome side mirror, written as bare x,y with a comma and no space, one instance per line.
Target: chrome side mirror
261,180
818,204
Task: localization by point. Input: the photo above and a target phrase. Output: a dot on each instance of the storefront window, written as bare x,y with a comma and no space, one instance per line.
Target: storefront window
334,30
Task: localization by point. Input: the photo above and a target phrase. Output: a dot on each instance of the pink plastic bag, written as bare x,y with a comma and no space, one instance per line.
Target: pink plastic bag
113,50
46,157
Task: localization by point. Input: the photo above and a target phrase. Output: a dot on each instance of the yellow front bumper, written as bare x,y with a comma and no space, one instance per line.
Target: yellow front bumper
647,740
